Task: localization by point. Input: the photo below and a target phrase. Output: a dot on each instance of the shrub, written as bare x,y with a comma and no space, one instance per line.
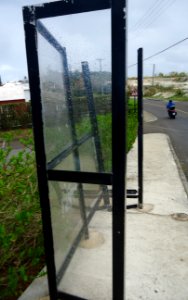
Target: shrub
150,91
15,115
179,93
21,251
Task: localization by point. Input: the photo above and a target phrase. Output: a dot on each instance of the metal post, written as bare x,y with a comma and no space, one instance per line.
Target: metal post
100,72
33,70
74,138
119,15
140,128
94,125
153,74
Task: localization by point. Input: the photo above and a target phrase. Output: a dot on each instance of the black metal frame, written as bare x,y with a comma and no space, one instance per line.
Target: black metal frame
117,177
140,128
139,193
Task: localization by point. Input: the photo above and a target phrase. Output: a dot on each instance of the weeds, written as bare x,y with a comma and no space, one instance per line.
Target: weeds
21,252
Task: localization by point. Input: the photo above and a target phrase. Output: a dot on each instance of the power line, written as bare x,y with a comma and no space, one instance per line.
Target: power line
146,15
157,7
154,16
157,53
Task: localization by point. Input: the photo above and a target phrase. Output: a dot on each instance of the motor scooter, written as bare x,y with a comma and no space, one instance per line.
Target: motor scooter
172,113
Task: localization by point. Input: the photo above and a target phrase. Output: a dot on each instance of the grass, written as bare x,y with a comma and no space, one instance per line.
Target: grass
104,123
15,134
179,98
21,239
175,98
21,252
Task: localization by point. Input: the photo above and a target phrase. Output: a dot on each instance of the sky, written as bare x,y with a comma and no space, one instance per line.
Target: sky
153,25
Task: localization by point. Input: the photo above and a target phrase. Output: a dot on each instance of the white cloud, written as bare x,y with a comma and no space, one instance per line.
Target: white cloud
167,26
157,31
6,68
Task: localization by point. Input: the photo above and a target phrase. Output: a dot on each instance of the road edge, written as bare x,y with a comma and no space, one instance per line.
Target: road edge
179,167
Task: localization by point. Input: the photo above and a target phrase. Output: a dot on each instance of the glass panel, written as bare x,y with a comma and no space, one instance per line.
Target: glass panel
87,157
69,104
66,218
83,263
55,114
77,127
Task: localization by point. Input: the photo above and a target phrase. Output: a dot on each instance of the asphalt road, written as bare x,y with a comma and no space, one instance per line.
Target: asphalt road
176,129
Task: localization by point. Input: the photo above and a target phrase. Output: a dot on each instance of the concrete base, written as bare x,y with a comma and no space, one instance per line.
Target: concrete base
95,240
146,207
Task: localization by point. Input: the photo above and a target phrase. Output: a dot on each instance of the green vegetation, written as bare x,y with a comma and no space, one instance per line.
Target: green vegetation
21,251
176,74
150,91
173,74
179,98
173,85
21,239
104,123
15,134
15,116
159,91
132,124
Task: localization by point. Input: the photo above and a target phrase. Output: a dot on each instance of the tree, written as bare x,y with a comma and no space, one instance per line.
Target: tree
182,74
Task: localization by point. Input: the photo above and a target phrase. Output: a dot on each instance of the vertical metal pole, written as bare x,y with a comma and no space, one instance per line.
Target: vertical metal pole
153,74
33,70
140,128
119,14
74,138
94,125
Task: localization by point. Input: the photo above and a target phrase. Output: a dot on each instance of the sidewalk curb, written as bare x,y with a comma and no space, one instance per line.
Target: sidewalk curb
148,117
179,167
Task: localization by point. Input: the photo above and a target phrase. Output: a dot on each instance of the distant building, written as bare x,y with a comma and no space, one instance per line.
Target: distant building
14,92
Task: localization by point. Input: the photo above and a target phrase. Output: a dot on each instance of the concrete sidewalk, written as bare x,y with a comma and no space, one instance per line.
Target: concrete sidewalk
157,244
156,237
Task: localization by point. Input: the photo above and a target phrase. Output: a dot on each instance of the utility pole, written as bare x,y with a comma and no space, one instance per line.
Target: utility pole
100,70
100,63
153,74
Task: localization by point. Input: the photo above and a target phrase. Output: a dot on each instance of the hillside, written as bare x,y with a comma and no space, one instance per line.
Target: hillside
163,87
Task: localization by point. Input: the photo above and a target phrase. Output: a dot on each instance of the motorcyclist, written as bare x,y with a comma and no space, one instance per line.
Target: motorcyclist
171,109
170,105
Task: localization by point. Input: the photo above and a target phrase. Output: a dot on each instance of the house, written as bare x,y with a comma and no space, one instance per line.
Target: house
14,92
